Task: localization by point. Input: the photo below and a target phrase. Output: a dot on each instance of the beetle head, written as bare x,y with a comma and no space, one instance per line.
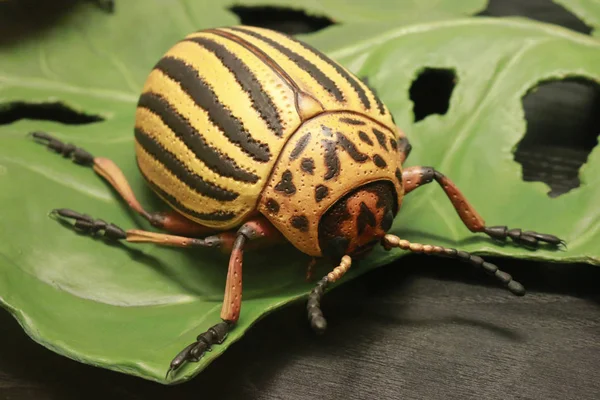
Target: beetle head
358,221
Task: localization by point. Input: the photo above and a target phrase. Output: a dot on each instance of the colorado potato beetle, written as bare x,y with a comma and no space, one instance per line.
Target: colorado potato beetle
250,135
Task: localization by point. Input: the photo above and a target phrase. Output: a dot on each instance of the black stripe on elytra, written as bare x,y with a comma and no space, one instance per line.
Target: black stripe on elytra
365,138
394,144
380,138
351,148
332,161
399,176
339,69
286,185
352,121
380,162
211,157
321,191
300,146
262,103
204,96
322,79
175,166
307,165
212,216
300,222
365,217
380,105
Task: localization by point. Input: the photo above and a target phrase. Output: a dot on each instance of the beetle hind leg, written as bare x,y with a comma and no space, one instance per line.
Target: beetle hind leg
87,225
170,220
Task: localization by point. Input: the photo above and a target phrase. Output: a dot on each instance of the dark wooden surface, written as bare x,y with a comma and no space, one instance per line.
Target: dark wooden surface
415,329
420,328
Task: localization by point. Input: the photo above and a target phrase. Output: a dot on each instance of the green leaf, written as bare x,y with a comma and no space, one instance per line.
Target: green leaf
132,308
587,10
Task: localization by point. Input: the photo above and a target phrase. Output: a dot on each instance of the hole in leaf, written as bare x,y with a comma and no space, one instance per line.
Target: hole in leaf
55,111
431,92
563,124
539,10
286,20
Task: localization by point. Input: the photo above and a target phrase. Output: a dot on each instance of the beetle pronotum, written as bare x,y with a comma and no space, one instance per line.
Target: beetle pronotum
251,135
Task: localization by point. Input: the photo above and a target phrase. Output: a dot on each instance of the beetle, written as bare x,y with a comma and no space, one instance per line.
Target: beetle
251,136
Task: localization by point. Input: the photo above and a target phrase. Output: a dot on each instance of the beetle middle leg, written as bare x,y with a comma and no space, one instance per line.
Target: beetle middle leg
415,177
170,221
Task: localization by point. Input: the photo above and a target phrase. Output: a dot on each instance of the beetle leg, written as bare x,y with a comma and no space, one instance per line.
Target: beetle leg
94,227
313,306
415,177
170,221
256,229
390,241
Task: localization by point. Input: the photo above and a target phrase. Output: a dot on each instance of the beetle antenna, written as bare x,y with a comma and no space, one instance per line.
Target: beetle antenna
313,307
390,241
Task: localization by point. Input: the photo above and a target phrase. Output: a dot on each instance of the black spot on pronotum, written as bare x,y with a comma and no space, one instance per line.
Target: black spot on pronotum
379,161
365,138
300,146
332,161
398,176
326,131
562,128
394,144
365,217
321,191
307,165
282,19
46,111
352,121
430,92
544,11
350,148
286,185
300,222
404,146
272,206
380,138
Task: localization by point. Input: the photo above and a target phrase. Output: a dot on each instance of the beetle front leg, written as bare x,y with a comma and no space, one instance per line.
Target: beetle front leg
415,177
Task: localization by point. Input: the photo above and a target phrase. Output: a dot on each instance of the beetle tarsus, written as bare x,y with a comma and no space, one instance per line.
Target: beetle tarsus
194,351
67,150
88,225
528,238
